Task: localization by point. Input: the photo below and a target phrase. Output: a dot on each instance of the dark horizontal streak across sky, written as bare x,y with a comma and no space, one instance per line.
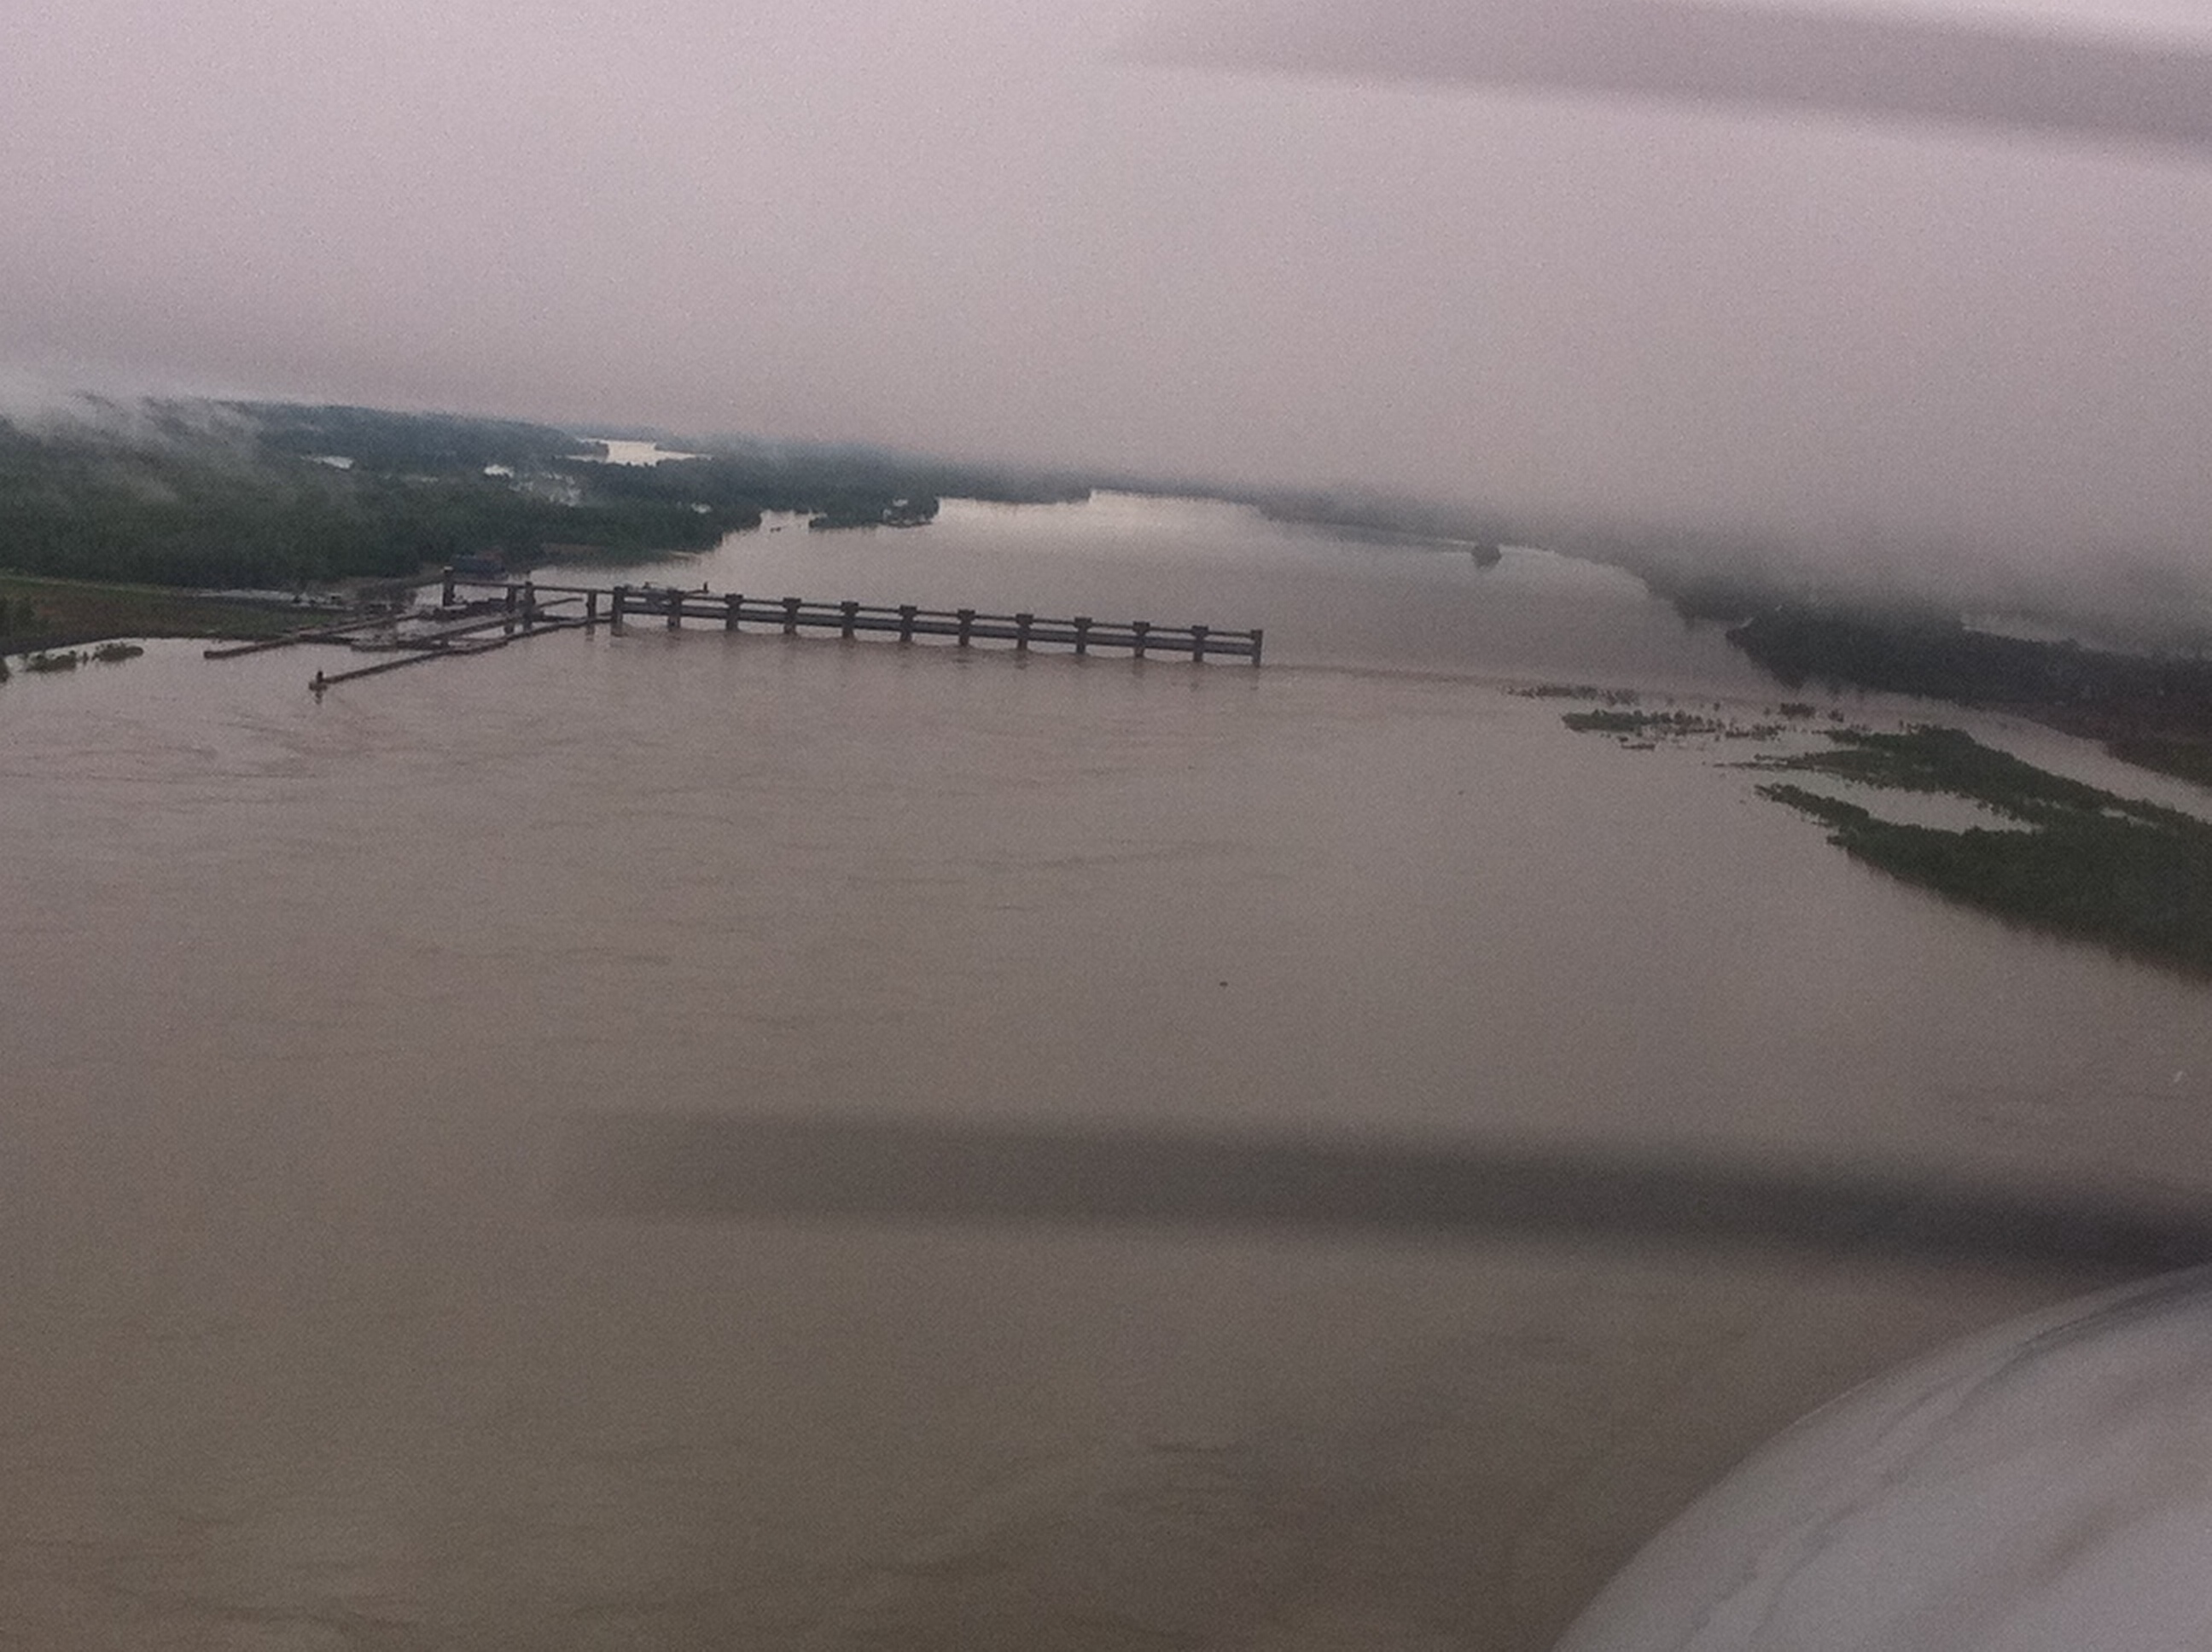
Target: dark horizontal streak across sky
1949,71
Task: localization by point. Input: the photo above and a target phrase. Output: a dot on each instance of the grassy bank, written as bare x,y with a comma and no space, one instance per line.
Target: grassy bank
38,613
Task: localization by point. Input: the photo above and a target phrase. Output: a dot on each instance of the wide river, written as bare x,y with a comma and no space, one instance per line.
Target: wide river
311,1340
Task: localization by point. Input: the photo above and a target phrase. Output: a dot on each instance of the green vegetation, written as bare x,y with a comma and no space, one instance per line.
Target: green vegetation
899,514
222,501
2150,708
1932,655
1577,691
2154,711
1670,723
735,482
2182,757
61,613
425,444
275,497
2063,856
1643,729
2078,861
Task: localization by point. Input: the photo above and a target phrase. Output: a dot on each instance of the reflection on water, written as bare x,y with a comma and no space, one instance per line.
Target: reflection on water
1321,598
306,1348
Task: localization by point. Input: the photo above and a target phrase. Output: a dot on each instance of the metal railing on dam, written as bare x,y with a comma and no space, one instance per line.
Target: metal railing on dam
792,615
526,608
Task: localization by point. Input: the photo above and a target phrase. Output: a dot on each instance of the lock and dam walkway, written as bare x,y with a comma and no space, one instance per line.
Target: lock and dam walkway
519,610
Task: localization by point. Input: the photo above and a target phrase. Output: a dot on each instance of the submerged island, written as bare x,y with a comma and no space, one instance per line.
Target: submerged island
2055,854
2061,855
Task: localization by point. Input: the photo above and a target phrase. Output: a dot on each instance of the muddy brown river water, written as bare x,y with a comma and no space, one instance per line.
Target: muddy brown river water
308,1342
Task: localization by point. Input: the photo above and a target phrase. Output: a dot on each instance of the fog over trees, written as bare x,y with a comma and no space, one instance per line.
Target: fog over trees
1899,351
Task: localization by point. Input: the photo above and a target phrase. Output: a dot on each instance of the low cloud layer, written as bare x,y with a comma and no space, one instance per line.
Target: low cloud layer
982,227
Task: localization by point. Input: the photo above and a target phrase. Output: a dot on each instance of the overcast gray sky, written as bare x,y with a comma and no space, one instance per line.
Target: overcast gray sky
987,227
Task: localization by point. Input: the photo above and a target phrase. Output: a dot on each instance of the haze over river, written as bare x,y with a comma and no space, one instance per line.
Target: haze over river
303,1348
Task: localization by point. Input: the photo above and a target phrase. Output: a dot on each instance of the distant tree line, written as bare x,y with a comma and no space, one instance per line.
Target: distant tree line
853,487
220,514
220,495
1374,512
2151,710
425,443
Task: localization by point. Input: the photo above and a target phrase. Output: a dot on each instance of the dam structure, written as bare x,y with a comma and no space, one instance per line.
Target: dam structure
518,609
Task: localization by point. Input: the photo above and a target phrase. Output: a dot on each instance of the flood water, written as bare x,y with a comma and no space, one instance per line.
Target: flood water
312,1340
